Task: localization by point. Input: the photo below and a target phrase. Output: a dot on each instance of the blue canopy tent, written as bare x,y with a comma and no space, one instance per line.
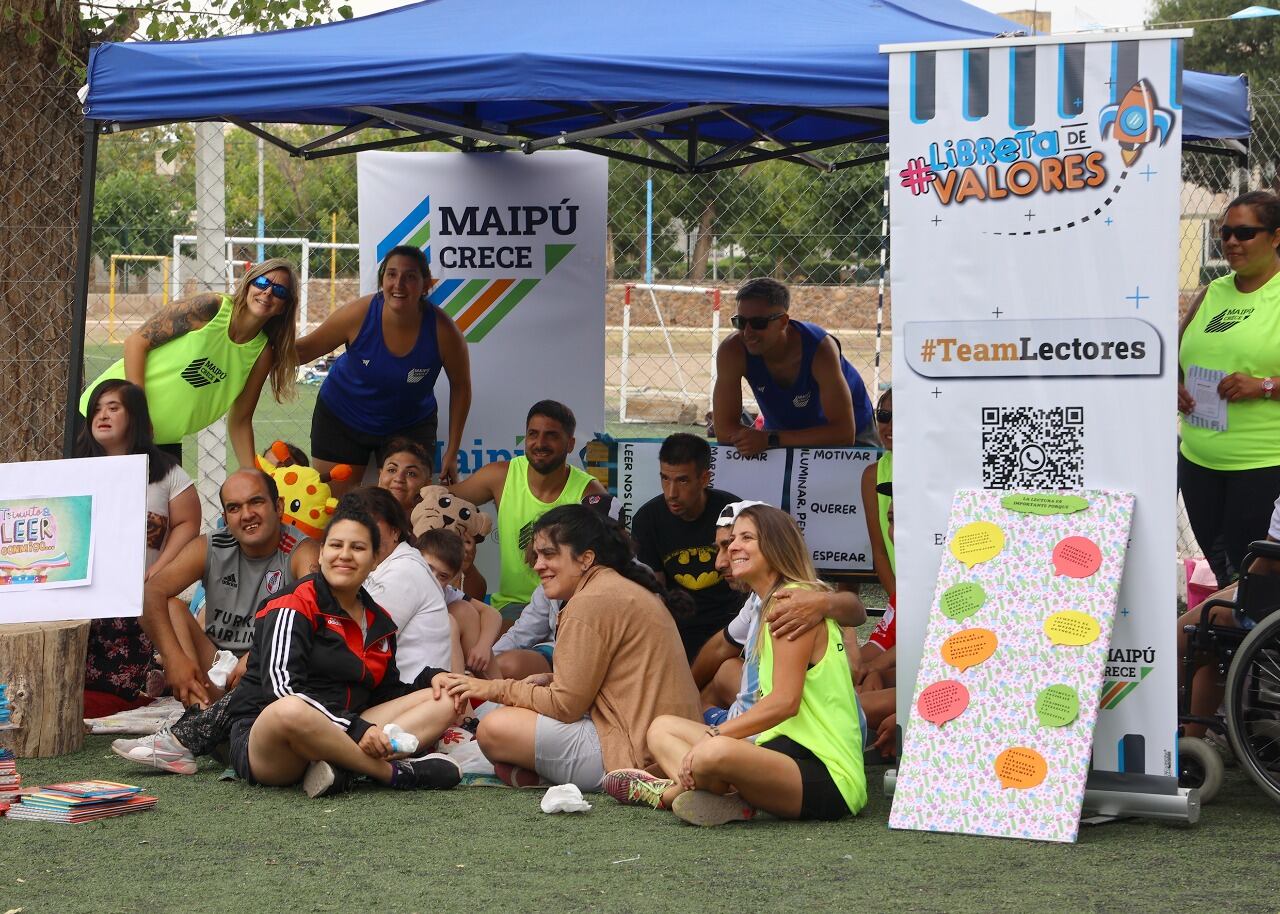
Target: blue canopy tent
750,78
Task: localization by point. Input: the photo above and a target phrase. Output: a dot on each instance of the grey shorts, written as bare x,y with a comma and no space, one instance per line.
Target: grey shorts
568,753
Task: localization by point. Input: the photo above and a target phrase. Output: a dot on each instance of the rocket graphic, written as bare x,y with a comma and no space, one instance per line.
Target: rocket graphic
1136,121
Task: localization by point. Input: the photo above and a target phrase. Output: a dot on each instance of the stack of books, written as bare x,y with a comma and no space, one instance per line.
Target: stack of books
80,801
10,780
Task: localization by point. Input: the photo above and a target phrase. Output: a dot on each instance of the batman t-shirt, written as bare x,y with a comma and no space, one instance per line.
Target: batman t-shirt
685,552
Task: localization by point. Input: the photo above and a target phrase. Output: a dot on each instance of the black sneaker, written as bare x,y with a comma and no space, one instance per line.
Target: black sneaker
431,772
323,780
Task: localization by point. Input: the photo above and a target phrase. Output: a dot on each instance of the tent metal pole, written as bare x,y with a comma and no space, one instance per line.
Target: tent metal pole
620,127
391,116
80,293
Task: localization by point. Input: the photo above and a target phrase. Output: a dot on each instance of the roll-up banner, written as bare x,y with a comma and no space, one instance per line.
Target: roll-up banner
516,245
1034,206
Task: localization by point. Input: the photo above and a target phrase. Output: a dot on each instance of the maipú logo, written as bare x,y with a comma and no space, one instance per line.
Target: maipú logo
488,238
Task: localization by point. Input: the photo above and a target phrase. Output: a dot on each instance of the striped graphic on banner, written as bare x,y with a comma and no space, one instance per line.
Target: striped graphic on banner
1115,691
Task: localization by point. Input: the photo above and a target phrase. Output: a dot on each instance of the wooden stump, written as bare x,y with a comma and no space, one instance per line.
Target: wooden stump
43,665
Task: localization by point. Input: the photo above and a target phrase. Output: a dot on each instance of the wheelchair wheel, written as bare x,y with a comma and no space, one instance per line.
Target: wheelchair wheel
1253,705
1199,765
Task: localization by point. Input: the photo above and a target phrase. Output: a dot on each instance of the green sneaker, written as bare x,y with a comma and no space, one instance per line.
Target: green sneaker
635,787
701,807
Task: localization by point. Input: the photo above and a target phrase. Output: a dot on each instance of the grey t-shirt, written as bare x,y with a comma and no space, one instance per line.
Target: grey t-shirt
235,585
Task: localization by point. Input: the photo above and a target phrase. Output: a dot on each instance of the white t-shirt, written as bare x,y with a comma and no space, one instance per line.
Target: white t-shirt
159,494
1274,530
405,587
740,628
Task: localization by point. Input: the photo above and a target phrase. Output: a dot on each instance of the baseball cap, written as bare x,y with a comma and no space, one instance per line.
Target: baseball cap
729,513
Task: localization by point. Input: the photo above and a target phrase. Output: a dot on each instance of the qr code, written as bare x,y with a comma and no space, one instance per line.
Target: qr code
1028,448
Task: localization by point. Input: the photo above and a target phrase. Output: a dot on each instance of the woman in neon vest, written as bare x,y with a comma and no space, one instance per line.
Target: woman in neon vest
1230,477
806,758
383,385
208,356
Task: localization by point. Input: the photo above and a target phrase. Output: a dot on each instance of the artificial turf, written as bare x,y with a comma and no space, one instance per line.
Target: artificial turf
225,847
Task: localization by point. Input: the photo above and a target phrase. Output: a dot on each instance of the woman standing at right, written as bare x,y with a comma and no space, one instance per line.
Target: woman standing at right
1230,478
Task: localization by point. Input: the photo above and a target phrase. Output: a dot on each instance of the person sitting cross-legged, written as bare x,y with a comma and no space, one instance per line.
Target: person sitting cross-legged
806,762
321,681
619,662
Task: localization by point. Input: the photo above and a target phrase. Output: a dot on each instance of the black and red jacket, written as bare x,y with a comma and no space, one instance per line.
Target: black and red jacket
305,644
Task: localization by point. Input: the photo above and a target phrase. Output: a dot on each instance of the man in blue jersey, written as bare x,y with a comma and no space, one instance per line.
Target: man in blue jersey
808,393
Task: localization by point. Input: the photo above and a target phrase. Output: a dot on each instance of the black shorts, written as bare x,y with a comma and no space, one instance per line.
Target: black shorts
335,441
820,798
240,749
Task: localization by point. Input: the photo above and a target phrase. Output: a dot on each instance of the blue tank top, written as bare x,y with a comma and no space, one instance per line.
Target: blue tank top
377,393
800,406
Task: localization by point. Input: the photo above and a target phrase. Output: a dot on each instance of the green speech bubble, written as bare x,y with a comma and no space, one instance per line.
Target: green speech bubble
1057,706
960,601
1045,504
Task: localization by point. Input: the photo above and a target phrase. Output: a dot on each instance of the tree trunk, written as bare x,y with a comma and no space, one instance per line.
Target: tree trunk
40,165
702,248
43,666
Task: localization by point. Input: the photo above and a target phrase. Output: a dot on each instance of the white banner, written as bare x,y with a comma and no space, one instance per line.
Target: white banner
819,487
516,245
1034,221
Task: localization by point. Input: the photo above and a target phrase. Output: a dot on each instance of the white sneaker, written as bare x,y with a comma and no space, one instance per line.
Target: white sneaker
161,750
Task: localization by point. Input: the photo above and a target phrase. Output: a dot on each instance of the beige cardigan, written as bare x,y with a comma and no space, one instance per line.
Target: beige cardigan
618,658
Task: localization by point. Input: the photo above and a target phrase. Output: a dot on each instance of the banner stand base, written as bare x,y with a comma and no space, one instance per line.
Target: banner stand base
1110,793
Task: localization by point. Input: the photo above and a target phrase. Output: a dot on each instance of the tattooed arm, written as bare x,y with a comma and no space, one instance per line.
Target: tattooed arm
172,322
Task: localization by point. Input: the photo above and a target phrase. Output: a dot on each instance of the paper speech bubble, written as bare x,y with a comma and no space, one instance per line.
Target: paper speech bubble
960,601
1021,767
969,648
1057,705
1071,627
1045,504
1076,557
980,541
943,701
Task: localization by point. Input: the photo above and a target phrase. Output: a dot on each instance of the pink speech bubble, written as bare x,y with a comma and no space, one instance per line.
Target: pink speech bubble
1076,557
943,701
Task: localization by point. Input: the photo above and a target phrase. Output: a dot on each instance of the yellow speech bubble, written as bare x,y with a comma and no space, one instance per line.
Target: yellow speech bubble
1071,627
969,647
1021,767
978,542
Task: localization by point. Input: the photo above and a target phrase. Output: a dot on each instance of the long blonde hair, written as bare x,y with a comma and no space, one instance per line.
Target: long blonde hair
784,550
281,330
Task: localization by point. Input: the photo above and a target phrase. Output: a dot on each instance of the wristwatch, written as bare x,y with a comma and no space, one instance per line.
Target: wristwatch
1268,388
775,441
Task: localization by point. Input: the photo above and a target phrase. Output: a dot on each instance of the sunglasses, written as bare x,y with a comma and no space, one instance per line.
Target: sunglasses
755,323
884,415
279,291
1243,232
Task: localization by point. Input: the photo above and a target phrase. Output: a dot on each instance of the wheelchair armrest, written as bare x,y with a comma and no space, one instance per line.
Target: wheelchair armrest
1262,549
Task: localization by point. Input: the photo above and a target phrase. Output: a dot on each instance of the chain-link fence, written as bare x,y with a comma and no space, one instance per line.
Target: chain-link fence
676,249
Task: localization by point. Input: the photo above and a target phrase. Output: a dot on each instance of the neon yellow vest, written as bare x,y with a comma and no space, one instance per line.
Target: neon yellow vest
192,381
827,722
1236,331
519,509
884,473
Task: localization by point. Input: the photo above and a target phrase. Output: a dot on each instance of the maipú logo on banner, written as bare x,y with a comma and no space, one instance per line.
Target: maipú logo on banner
467,241
1021,156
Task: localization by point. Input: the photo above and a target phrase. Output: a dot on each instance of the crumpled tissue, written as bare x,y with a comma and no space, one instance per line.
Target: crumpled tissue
223,663
564,798
401,740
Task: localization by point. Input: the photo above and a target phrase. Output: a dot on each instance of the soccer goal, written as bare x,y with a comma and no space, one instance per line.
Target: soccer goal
666,374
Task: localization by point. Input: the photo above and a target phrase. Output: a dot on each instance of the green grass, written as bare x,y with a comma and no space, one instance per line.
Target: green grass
220,847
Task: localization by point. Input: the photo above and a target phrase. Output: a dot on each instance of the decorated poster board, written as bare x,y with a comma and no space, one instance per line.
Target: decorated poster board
516,246
819,487
1002,714
72,538
1034,218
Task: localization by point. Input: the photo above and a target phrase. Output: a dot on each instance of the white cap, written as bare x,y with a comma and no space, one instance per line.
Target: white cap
729,513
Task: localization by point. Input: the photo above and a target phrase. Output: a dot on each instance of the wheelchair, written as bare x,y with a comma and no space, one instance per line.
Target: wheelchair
1249,658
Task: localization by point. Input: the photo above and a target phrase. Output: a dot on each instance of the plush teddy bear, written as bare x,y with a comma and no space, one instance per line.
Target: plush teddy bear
308,501
441,509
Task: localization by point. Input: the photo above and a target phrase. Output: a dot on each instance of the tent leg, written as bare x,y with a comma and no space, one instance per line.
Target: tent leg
80,294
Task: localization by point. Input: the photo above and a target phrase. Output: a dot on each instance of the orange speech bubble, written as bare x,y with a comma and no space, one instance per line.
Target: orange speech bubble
1021,767
943,701
1076,557
969,647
